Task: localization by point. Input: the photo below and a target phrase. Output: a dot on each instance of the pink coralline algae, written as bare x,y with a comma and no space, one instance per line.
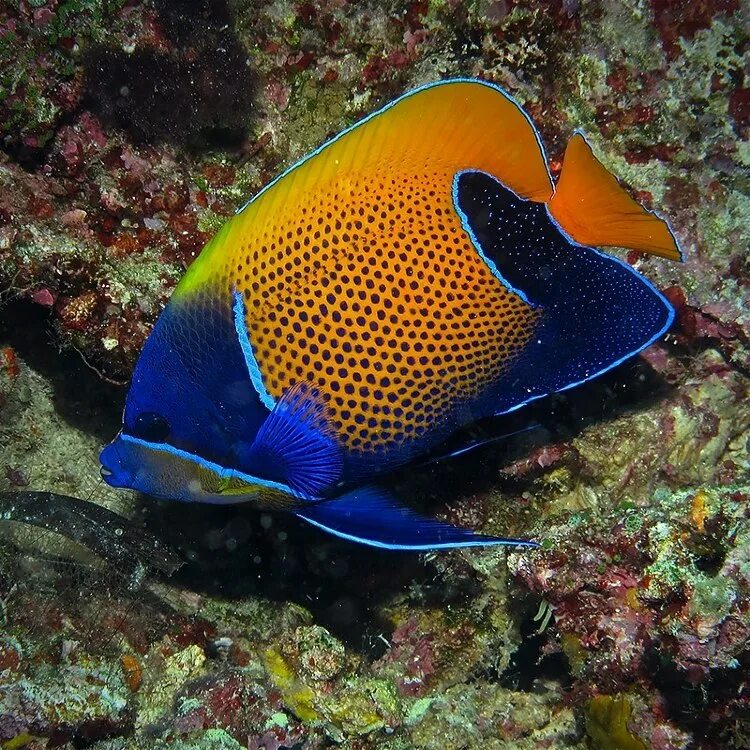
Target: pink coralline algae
412,652
653,599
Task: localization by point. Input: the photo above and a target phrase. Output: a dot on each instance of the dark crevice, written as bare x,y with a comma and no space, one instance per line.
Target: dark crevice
688,702
528,664
33,158
80,396
237,552
196,91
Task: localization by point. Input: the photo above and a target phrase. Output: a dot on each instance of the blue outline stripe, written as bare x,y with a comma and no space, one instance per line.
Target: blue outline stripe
393,103
647,282
240,326
487,542
642,279
475,242
217,469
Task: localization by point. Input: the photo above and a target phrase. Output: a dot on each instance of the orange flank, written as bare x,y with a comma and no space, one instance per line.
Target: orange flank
593,209
356,270
354,266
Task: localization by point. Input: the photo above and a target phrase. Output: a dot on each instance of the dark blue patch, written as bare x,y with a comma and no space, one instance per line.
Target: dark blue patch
596,310
458,447
369,515
191,379
295,445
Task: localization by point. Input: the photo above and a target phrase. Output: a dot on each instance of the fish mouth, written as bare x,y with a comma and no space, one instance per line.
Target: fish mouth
111,465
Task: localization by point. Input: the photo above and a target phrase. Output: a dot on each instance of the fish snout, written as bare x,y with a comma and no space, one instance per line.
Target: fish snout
112,470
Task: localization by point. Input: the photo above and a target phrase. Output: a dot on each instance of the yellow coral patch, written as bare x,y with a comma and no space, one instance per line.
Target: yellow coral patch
20,740
699,511
297,696
574,650
607,719
132,672
632,600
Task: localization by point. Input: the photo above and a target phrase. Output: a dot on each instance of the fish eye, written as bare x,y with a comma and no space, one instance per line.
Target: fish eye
149,425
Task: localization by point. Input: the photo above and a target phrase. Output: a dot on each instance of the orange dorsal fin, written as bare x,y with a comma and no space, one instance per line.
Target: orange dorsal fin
593,208
427,136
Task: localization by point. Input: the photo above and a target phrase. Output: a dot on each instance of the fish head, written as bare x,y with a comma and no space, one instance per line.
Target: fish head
190,410
152,468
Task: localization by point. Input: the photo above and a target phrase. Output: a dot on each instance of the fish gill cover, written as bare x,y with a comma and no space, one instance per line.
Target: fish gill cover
629,628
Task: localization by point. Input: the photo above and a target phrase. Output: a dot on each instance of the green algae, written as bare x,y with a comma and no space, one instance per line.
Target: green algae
70,694
607,718
724,231
37,439
208,739
675,568
33,113
361,707
321,657
480,716
709,61
713,597
139,279
417,710
304,128
255,620
211,222
627,25
279,719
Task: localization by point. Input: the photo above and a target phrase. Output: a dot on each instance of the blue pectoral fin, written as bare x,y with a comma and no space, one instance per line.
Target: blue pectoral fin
295,444
369,515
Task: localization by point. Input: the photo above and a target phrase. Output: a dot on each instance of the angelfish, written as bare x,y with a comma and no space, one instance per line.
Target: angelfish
416,273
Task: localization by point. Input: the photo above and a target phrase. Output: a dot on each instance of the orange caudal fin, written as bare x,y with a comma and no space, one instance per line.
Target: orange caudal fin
593,208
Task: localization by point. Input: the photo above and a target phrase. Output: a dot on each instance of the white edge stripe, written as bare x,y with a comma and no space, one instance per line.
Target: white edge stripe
643,279
238,309
475,242
415,547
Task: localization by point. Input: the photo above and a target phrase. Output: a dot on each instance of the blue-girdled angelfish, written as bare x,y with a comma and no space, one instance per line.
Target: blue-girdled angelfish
416,273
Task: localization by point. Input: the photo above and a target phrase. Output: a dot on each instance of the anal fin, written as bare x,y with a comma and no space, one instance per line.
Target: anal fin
370,515
453,449
594,209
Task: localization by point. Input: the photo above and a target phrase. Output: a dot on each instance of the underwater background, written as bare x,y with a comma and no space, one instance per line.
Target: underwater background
129,132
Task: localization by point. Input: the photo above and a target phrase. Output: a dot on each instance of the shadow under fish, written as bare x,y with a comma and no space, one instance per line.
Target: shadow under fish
413,275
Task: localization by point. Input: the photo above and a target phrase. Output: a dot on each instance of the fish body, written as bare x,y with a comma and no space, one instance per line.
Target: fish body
418,272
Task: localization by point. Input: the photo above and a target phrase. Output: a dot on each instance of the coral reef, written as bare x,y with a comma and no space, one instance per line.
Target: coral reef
129,131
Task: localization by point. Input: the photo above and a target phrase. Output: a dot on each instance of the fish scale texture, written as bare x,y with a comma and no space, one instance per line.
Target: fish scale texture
205,370
379,298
